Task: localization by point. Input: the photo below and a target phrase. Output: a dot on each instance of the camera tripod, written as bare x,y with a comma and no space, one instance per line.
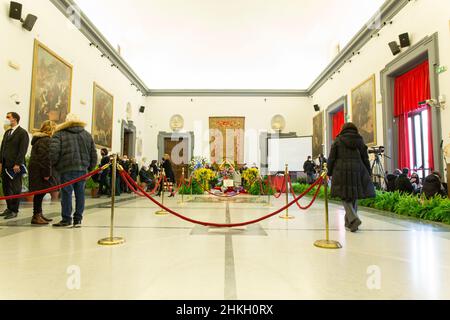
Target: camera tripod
378,173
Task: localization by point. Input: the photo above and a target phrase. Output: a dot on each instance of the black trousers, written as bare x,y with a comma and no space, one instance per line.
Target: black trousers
12,187
105,184
37,203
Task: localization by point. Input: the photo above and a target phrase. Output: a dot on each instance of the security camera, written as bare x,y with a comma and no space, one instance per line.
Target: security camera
16,99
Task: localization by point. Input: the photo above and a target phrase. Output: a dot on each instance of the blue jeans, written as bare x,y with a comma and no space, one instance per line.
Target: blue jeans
66,196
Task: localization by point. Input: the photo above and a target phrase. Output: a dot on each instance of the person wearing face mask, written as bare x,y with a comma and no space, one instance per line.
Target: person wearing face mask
12,158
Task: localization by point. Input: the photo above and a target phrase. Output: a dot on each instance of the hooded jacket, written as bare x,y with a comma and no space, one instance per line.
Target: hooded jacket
72,148
349,166
40,167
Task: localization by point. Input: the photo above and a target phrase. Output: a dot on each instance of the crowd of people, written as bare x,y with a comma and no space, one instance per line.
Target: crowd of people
62,154
147,175
65,153
410,183
59,154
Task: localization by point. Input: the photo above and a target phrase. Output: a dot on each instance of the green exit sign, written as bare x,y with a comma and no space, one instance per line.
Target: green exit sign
441,69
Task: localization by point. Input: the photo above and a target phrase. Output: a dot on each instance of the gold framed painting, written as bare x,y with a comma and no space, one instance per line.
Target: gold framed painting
51,87
364,110
102,117
318,135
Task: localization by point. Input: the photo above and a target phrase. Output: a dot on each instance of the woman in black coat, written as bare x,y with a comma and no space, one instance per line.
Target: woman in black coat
168,171
40,170
349,167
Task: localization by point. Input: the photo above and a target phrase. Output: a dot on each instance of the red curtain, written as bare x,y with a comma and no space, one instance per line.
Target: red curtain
338,122
411,88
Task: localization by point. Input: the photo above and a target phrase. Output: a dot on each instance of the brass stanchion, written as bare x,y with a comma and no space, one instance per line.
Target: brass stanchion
286,216
111,240
327,244
162,212
182,203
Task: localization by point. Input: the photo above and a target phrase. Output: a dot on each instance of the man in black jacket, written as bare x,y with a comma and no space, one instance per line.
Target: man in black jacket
73,154
12,157
310,169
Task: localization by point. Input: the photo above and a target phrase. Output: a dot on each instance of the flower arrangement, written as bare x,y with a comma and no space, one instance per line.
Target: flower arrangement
250,175
198,163
226,173
204,176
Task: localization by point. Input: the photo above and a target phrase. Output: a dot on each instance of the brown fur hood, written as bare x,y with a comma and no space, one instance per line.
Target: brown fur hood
72,126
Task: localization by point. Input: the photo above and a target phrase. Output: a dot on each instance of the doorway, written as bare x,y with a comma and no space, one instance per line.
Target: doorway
426,49
177,149
128,146
180,147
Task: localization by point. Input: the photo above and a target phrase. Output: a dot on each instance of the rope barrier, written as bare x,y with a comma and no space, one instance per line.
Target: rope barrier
316,194
269,182
182,183
230,225
55,188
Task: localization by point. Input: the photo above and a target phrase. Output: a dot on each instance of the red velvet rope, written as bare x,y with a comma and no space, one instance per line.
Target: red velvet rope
269,182
316,194
182,183
231,225
55,188
137,191
129,185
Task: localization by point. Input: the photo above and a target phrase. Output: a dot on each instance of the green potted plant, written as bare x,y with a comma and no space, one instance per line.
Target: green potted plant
93,186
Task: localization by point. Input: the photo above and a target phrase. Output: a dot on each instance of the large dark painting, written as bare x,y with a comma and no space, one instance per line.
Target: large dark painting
102,117
364,110
318,135
51,87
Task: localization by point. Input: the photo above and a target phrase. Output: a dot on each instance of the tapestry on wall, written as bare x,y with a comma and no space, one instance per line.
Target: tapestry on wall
102,117
318,135
364,110
227,136
51,87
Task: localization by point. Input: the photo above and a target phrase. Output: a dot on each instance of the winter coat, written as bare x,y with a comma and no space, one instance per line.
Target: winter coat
134,171
404,185
432,186
72,148
40,166
167,166
349,166
390,182
309,167
14,148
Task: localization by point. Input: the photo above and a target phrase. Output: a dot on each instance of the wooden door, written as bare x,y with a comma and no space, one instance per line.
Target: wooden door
179,152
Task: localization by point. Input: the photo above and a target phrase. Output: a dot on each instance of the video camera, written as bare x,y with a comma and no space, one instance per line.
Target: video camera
376,150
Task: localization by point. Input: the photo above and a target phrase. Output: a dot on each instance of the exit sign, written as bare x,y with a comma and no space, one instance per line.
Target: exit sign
441,69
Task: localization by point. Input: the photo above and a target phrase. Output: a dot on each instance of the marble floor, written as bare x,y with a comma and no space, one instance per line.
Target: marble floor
167,258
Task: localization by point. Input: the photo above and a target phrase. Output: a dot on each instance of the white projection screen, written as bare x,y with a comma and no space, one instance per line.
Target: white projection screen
291,151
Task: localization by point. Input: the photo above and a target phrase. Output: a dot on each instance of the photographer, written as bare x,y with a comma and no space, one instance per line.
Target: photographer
349,167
